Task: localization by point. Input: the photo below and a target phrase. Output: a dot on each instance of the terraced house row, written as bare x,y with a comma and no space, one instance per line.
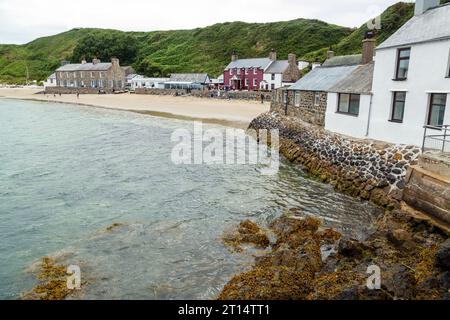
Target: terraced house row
397,92
95,75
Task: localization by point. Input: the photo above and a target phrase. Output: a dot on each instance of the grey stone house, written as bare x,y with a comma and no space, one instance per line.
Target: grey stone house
307,99
96,75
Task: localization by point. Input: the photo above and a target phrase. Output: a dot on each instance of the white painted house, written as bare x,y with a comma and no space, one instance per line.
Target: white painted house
411,83
139,82
51,81
412,77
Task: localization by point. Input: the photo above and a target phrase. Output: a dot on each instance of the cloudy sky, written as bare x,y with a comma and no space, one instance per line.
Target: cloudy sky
24,20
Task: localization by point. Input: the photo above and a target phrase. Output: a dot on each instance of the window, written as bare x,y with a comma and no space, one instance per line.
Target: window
448,66
92,74
398,107
272,86
273,76
255,82
246,71
81,74
437,109
238,71
285,96
246,82
255,70
349,103
317,99
402,64
297,98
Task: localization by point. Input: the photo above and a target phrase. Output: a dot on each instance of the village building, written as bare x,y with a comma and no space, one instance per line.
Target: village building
97,75
411,84
261,73
308,98
405,90
139,82
51,81
190,81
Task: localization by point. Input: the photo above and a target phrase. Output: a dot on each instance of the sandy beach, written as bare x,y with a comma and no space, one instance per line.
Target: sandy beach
234,113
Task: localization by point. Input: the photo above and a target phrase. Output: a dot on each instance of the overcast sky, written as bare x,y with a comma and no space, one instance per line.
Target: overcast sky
24,20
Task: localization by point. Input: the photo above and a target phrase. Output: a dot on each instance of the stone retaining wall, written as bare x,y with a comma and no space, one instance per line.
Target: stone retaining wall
64,90
283,102
214,94
367,169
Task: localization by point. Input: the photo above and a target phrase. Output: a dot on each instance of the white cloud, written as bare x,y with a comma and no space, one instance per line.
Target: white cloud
24,20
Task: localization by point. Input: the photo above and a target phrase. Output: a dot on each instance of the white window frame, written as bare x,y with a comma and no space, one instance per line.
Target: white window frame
247,82
255,71
316,99
246,71
297,98
255,83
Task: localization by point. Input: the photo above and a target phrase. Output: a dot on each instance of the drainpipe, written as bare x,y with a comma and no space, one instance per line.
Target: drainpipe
370,115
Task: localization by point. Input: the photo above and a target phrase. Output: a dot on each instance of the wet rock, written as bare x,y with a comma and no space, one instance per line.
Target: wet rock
398,237
443,256
272,283
351,248
247,232
400,282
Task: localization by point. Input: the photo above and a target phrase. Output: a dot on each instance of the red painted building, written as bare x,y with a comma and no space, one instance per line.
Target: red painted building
261,73
245,74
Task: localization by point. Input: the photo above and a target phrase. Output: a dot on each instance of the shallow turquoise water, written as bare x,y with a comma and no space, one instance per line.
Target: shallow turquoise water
68,172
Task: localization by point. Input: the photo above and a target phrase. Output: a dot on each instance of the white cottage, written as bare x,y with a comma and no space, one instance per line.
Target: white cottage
412,77
407,88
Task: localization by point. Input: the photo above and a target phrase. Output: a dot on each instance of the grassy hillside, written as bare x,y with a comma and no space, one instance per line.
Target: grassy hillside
162,52
198,50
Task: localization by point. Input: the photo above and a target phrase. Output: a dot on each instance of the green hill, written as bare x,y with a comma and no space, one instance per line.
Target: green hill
198,50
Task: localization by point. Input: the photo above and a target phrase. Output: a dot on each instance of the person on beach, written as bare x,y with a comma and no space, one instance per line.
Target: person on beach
78,95
262,98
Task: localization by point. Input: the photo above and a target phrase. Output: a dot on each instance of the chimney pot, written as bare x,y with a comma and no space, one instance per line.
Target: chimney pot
273,55
234,56
95,61
423,6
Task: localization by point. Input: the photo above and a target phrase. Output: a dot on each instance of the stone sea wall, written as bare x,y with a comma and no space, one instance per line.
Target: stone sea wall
64,90
367,169
212,94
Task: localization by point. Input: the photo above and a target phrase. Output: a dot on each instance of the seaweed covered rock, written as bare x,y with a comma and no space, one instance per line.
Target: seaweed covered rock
247,232
268,283
411,254
443,256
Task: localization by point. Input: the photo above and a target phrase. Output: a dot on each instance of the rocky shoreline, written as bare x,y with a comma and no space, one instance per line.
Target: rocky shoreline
307,262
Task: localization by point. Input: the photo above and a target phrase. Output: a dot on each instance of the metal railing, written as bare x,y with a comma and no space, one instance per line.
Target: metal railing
439,139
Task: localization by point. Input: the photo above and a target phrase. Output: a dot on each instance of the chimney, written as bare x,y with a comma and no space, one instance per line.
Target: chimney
292,59
83,61
273,55
95,60
115,61
330,54
423,6
368,47
234,56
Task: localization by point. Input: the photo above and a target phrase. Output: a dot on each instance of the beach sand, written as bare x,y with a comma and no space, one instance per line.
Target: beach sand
234,113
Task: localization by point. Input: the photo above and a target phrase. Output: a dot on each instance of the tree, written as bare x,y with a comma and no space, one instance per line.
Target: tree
105,45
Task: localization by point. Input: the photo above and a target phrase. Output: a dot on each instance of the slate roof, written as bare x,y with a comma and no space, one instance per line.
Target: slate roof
86,67
322,78
350,60
262,63
432,25
359,81
189,77
278,66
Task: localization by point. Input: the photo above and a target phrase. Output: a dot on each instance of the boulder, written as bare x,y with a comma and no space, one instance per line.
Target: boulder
443,256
